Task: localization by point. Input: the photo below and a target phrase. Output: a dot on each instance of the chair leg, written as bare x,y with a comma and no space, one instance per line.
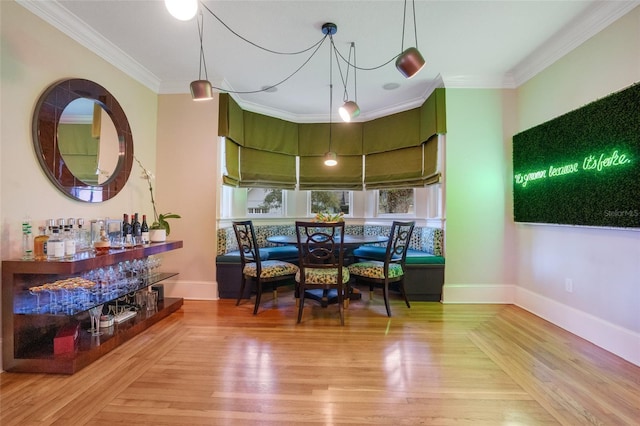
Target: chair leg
300,304
258,296
404,293
242,284
340,305
275,294
385,290
371,292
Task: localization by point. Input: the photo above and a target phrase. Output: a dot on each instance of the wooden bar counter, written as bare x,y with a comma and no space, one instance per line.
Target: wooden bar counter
28,337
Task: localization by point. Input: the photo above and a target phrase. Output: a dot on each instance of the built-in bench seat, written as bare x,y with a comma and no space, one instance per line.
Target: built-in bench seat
424,266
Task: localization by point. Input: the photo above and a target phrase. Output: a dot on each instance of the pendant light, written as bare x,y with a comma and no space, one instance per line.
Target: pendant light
201,90
350,109
410,61
330,157
183,10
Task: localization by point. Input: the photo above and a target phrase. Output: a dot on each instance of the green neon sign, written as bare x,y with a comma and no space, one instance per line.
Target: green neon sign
596,163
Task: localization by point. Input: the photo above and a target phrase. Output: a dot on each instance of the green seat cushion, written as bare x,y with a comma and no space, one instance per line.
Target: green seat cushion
323,276
375,269
270,269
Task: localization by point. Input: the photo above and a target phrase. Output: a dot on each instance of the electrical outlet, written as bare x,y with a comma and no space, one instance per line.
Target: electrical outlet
568,285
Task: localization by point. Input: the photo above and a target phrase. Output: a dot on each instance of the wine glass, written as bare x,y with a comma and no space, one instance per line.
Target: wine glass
35,291
95,314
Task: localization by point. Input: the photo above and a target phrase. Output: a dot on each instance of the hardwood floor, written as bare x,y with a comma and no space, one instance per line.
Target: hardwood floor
215,363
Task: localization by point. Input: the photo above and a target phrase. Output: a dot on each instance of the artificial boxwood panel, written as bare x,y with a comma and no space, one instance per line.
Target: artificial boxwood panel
582,168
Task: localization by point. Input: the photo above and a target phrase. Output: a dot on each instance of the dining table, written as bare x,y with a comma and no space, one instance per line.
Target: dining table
351,242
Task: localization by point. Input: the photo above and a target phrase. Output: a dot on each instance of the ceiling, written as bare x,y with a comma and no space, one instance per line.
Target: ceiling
471,44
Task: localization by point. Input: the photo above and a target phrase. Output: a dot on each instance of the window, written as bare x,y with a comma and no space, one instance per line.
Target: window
330,202
265,201
396,201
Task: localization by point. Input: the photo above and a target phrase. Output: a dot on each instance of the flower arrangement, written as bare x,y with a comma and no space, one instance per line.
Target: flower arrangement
159,220
329,217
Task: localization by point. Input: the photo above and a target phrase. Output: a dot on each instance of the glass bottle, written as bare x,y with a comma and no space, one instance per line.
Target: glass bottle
103,245
55,245
137,230
40,244
127,231
69,243
83,241
27,241
144,229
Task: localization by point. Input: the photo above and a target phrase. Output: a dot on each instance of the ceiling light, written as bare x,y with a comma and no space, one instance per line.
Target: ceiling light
201,90
349,110
329,29
183,10
330,159
410,61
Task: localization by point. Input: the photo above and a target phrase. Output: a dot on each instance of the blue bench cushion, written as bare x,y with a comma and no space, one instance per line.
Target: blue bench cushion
267,253
413,256
289,252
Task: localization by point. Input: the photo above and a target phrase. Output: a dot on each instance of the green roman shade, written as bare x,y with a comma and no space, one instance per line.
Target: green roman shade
270,134
264,169
400,150
230,119
232,163
397,131
346,142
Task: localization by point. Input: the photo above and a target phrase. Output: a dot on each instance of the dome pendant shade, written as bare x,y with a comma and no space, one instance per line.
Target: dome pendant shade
330,159
201,90
410,62
183,10
349,111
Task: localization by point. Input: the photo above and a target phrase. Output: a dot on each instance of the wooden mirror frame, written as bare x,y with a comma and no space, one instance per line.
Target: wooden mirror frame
45,139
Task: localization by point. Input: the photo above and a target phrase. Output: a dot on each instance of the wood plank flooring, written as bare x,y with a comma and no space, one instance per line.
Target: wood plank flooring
213,363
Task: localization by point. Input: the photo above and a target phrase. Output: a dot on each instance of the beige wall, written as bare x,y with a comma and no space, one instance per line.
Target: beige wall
187,179
35,55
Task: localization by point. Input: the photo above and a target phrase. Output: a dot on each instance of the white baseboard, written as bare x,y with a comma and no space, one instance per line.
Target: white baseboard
613,338
191,290
478,293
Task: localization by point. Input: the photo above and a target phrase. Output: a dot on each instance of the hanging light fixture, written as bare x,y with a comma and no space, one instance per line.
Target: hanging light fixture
410,61
183,10
330,157
350,109
201,90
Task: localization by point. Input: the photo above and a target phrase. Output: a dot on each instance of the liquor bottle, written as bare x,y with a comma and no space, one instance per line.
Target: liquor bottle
50,224
83,241
127,231
55,245
27,241
137,230
40,244
69,243
103,245
144,229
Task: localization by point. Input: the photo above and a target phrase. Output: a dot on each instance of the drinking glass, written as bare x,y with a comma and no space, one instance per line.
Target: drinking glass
95,314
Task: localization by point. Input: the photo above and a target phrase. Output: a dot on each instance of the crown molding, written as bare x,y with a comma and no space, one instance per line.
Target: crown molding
592,21
58,16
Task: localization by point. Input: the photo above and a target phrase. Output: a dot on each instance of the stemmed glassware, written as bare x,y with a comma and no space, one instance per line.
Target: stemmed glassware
95,314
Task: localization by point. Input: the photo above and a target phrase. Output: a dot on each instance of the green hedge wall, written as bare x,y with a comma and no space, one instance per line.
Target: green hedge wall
582,168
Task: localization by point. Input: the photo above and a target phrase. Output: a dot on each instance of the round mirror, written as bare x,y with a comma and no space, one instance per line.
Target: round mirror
82,140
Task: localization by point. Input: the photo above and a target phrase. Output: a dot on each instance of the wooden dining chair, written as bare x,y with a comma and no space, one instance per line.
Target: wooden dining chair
259,269
321,262
391,269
